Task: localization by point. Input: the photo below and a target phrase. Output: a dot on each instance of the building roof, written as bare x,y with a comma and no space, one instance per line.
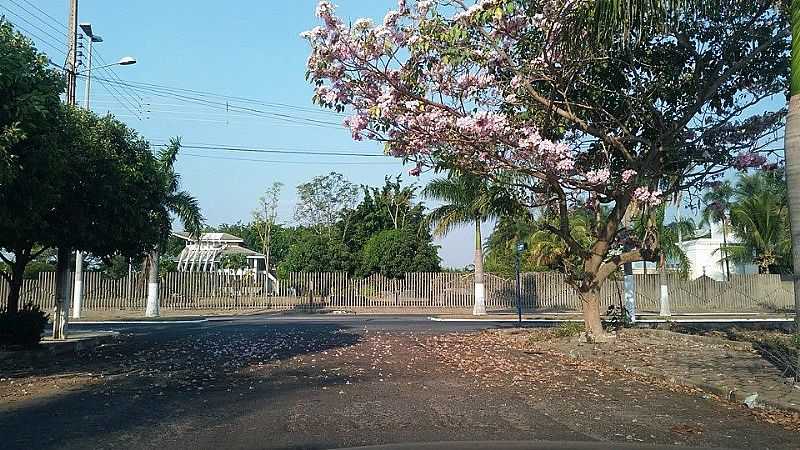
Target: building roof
235,250
210,237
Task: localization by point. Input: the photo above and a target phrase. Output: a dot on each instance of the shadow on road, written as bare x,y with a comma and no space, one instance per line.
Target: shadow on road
202,374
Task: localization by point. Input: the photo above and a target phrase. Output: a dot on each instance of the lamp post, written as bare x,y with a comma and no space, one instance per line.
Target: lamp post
77,294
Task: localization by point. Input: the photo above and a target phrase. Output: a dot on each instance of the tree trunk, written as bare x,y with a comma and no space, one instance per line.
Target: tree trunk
725,250
15,282
590,299
792,160
61,312
664,310
480,292
153,308
77,292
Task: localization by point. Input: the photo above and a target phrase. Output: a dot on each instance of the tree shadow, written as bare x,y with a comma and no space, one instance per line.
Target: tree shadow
208,375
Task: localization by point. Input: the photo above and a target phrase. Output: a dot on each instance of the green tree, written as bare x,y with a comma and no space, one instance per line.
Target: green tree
313,252
468,200
30,114
324,202
759,215
175,201
393,253
264,219
110,198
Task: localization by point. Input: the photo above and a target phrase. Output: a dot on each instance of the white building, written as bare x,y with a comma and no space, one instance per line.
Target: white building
205,254
706,256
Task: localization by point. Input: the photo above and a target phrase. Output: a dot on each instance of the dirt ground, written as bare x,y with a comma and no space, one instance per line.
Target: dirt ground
320,386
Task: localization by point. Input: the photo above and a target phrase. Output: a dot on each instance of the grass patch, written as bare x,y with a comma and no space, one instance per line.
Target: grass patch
569,329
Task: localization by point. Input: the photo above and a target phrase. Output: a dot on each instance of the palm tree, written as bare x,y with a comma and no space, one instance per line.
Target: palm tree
760,217
178,202
718,204
468,199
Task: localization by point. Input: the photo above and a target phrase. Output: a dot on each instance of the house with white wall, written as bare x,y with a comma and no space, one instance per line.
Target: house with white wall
705,256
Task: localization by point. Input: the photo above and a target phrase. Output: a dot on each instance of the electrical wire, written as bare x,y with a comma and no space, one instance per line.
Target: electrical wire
308,163
47,33
57,30
230,148
39,38
160,92
231,97
47,15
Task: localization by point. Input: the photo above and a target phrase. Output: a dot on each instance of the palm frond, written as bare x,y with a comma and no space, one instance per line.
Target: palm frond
187,208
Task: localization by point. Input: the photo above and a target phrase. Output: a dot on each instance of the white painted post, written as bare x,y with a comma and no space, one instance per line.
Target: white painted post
77,294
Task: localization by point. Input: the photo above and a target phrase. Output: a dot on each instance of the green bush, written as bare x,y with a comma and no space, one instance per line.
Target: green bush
23,328
569,329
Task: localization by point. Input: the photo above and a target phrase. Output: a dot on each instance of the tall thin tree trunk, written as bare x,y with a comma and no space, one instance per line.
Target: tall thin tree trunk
725,250
266,255
791,142
664,309
480,290
61,312
153,308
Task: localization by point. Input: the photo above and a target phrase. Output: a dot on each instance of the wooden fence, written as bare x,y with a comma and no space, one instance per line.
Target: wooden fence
540,292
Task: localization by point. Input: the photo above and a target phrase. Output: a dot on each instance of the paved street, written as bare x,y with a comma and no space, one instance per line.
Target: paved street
322,382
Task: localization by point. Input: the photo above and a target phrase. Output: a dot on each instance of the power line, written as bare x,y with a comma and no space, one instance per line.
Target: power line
31,24
113,74
271,147
309,163
47,15
165,92
232,97
120,101
31,34
57,30
230,148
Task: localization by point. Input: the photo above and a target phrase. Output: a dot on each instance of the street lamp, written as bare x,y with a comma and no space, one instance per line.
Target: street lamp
126,61
77,295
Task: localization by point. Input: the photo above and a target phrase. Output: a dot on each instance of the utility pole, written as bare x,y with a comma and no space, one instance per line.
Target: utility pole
61,312
72,52
77,291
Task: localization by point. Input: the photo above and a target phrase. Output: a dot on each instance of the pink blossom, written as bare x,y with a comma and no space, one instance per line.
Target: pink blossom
747,160
482,123
643,195
414,172
628,175
597,177
357,123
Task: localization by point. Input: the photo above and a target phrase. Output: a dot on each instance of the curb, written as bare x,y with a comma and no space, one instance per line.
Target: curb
724,392
49,348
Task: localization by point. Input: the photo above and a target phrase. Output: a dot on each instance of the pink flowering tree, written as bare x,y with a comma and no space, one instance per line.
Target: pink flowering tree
518,87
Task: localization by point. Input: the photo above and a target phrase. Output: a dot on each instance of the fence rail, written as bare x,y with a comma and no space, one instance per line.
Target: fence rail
540,292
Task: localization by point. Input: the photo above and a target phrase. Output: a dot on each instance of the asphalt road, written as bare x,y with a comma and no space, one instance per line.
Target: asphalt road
328,382
415,323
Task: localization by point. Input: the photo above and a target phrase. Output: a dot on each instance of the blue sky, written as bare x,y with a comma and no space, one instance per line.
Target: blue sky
246,48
